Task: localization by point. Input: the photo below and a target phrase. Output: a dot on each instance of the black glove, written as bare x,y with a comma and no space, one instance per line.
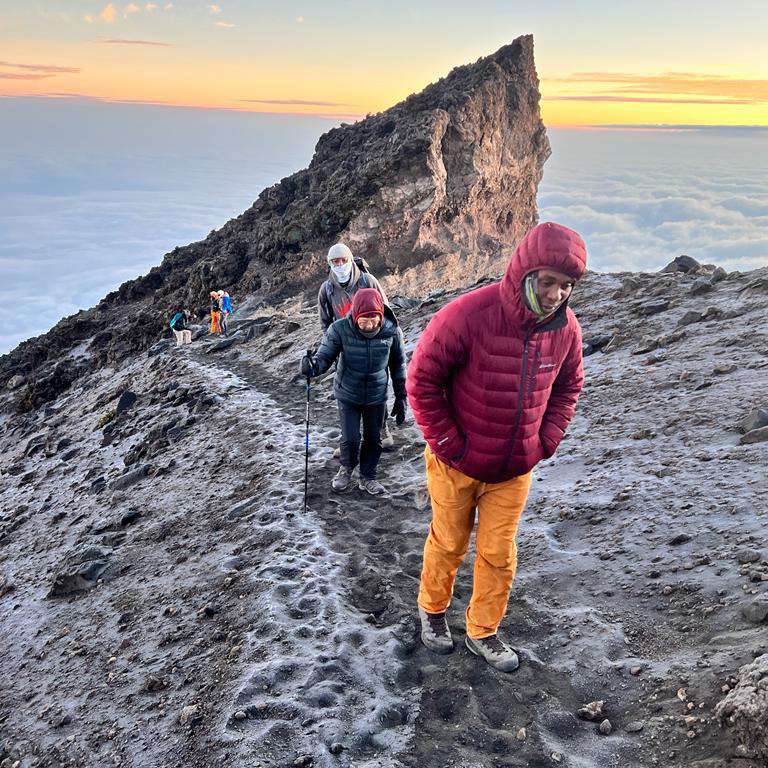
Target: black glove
398,411
307,366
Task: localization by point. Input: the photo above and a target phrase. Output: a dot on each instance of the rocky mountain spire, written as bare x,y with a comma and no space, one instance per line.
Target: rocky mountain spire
449,176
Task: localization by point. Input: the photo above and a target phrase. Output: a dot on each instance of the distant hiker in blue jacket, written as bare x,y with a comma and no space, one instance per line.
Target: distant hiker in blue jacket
179,323
368,345
226,310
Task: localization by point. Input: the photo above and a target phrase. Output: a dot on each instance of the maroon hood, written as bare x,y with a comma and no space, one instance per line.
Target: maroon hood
546,246
367,301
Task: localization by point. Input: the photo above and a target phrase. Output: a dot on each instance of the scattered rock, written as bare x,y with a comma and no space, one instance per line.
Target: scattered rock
15,381
701,286
220,345
403,302
653,307
680,538
689,318
754,420
336,748
154,683
745,556
190,715
756,611
634,726
722,368
592,711
129,478
521,735
745,708
755,436
127,399
605,727
130,517
718,275
682,263
77,579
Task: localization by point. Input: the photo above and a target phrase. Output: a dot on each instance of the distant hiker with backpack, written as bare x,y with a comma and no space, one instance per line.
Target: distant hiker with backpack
179,325
368,345
226,310
493,384
215,313
347,275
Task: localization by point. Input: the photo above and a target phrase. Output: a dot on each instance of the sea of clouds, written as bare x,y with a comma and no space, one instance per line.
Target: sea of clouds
93,194
641,197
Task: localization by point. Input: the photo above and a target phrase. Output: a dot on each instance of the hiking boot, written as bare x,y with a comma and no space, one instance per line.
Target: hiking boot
372,486
387,441
434,632
495,651
342,479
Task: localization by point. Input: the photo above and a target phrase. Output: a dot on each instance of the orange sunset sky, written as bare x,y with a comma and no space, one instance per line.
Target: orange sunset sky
699,63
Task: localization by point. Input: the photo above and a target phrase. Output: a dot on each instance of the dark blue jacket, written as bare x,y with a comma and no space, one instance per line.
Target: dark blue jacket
364,365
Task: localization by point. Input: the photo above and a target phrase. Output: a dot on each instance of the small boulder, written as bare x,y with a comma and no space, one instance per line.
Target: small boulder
129,478
756,611
127,399
718,275
754,420
690,317
755,436
15,381
653,307
682,263
592,711
701,286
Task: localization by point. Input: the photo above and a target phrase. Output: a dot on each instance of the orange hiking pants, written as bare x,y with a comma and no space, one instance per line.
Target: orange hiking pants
499,506
215,322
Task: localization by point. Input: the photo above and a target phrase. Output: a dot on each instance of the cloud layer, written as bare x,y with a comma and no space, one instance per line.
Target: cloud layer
94,194
640,198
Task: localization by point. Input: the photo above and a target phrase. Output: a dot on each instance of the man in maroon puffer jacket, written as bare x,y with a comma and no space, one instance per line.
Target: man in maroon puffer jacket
493,384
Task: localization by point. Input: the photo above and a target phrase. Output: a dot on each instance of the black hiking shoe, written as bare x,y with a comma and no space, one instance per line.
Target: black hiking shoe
434,632
495,651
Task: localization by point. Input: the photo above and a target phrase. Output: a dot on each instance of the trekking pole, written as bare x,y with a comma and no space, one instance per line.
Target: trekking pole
306,444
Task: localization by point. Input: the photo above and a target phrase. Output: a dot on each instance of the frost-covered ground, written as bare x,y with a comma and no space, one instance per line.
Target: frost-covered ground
164,599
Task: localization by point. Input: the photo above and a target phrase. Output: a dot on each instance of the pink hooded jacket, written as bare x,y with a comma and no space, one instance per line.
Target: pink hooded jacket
492,387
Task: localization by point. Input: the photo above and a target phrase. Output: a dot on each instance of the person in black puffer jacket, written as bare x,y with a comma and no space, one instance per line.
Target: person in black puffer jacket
369,346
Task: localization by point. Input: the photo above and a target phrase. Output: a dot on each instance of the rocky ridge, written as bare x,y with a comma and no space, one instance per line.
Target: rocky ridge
446,179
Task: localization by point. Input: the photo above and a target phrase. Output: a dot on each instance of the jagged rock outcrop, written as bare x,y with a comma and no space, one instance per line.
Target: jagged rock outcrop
745,708
450,172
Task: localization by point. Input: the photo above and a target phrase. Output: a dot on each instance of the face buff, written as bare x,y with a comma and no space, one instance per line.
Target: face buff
343,272
531,294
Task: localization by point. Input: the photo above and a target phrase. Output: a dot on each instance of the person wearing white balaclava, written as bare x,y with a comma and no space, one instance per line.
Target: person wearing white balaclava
345,279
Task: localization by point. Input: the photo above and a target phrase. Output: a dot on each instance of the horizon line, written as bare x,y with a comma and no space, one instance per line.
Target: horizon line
344,116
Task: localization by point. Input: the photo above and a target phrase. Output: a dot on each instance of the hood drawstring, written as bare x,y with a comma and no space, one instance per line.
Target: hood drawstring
531,294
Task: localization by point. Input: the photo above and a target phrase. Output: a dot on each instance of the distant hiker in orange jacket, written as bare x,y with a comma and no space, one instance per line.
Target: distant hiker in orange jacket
493,384
215,313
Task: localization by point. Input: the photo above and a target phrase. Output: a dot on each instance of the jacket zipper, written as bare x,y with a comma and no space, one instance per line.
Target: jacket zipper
534,371
521,396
